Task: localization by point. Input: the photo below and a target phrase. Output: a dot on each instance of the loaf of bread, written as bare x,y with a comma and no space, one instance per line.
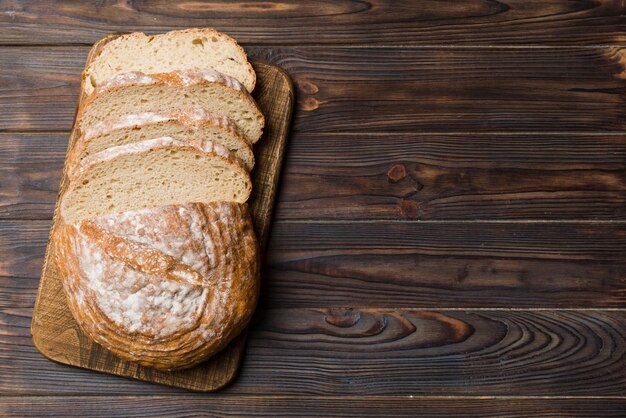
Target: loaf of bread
165,287
182,126
176,50
154,242
132,93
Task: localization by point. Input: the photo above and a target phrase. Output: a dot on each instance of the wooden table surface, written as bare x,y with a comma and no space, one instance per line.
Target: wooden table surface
450,232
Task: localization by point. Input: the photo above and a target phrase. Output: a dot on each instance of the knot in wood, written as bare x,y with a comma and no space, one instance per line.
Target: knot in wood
343,318
308,87
407,209
310,104
396,173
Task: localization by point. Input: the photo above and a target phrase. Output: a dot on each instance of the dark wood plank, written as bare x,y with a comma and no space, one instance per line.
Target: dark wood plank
395,280
18,292
39,87
30,173
533,241
380,352
454,177
373,351
446,265
431,22
406,176
386,90
22,245
307,406
391,90
402,264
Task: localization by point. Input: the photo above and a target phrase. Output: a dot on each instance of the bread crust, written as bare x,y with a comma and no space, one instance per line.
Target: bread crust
119,270
178,78
208,32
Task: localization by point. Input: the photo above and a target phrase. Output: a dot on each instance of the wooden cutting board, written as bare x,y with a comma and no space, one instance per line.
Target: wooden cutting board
58,337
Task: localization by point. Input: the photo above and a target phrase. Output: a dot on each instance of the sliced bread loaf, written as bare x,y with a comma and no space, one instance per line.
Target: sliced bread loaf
151,173
176,50
132,93
188,124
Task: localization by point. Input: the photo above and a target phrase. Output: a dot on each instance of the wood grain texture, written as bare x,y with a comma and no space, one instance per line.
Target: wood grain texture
449,90
417,280
58,337
454,177
403,176
306,406
446,265
534,240
30,169
405,22
400,264
22,245
18,292
40,88
370,351
384,90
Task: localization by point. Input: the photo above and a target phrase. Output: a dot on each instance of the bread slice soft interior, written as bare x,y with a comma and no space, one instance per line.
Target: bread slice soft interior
191,123
133,93
180,49
152,173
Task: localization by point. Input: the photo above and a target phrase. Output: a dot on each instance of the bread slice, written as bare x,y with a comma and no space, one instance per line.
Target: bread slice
185,125
132,93
176,50
151,173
